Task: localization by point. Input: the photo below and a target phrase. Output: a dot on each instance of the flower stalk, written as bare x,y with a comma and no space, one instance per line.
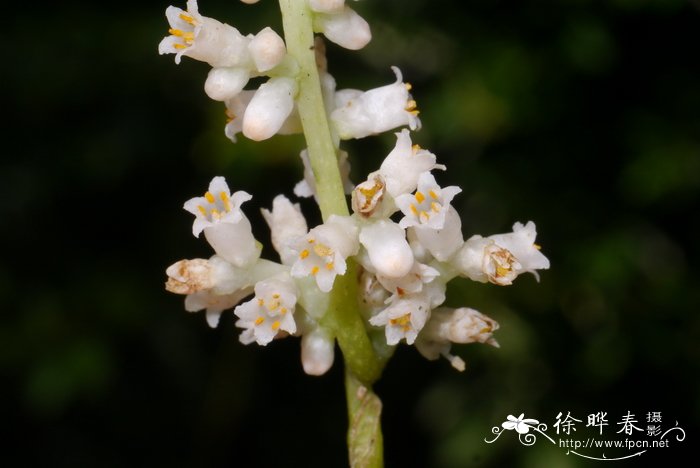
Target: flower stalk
342,318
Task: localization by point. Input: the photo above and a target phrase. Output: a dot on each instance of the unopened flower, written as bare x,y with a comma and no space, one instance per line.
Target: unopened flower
226,82
203,38
267,49
404,164
322,252
269,108
287,224
428,206
359,114
226,228
343,27
502,257
317,351
269,312
446,326
388,251
327,6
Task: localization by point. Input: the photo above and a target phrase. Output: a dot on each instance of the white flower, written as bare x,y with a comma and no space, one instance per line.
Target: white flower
225,226
287,224
322,252
428,206
446,326
269,108
403,318
502,257
359,114
388,251
412,282
213,304
404,164
203,38
269,312
343,27
442,243
214,285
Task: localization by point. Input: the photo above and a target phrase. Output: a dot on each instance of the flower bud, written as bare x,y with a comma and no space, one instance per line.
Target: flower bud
272,103
345,28
387,248
267,49
317,351
225,83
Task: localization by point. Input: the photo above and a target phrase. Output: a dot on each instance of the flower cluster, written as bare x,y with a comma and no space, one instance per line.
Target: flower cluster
403,233
270,109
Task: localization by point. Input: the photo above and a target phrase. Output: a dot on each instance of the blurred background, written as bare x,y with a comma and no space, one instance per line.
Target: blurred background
581,116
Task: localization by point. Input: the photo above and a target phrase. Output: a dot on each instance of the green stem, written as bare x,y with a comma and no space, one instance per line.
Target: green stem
365,441
343,318
299,36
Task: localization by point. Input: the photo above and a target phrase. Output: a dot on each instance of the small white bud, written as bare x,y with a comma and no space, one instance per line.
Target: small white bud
272,103
387,248
345,28
267,49
225,83
287,224
317,351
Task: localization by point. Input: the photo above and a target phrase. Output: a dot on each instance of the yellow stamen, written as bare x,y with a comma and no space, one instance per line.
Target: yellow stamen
420,197
329,266
210,198
188,37
275,296
261,302
202,210
304,253
433,195
411,105
283,310
186,18
502,271
537,246
416,148
259,320
275,325
216,214
180,46
408,86
414,210
176,32
314,271
227,201
435,207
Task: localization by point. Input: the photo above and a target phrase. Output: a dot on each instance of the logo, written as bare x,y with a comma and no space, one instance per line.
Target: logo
625,438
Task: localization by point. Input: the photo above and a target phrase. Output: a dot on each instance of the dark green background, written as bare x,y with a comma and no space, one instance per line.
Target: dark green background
582,116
